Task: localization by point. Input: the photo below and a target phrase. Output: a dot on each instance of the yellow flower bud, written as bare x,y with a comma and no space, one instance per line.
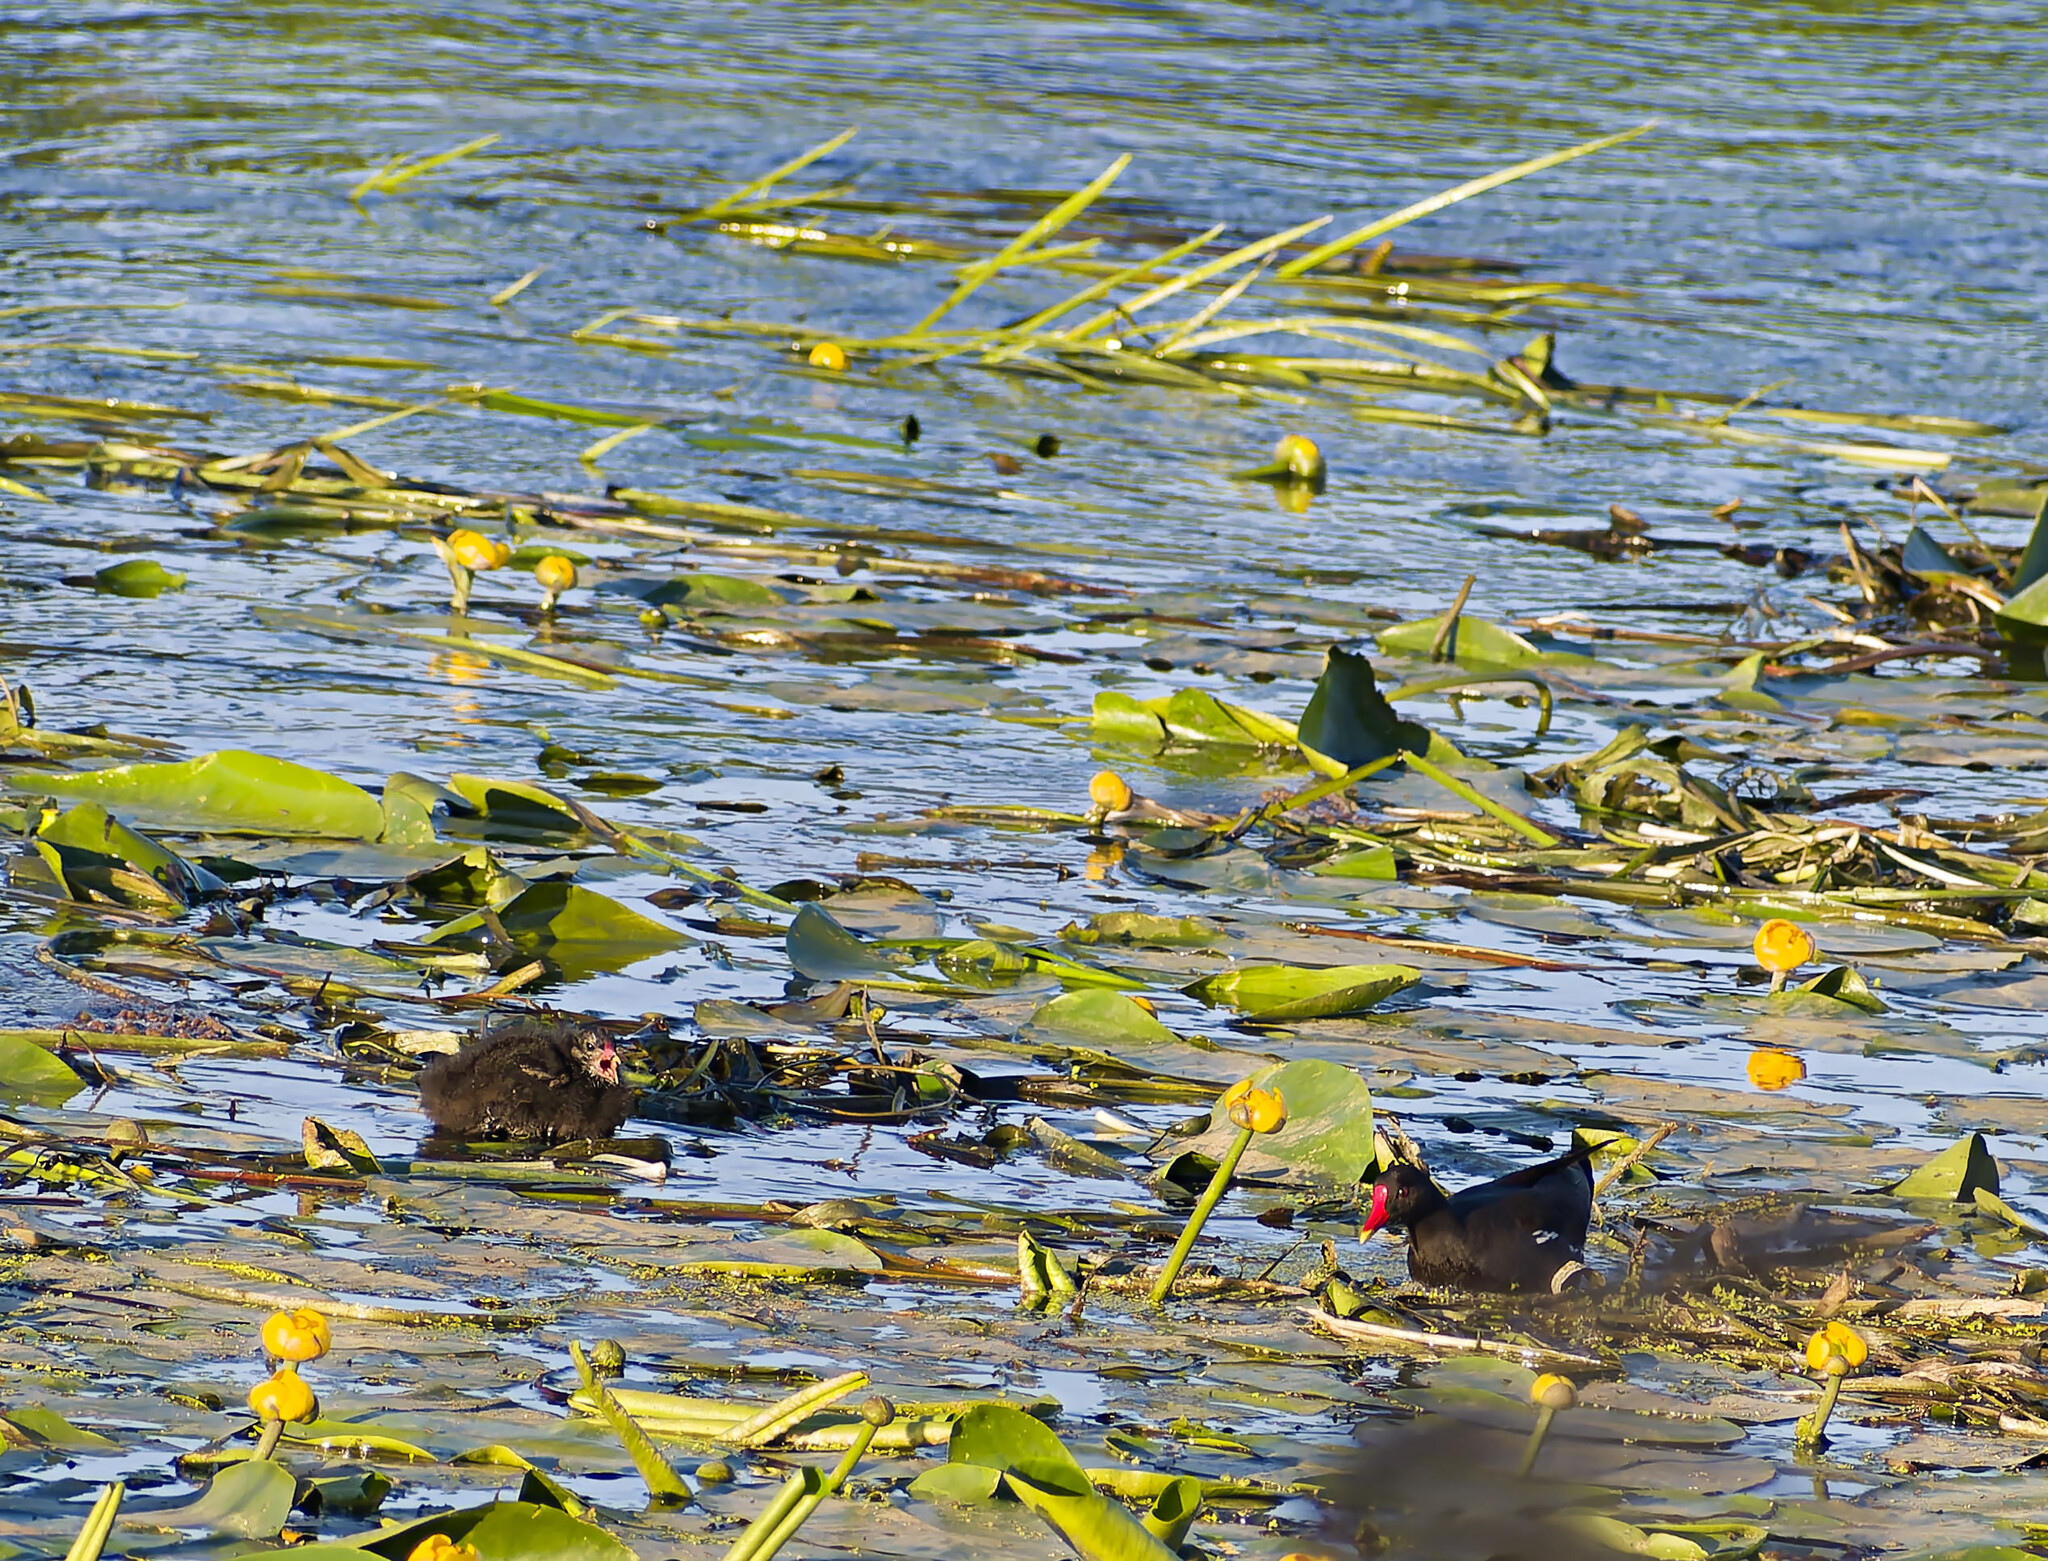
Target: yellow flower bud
1774,1069
1782,948
1261,1110
1551,1391
1837,1340
1145,1003
1109,791
830,356
1298,453
283,1396
556,574
477,552
300,1335
439,1547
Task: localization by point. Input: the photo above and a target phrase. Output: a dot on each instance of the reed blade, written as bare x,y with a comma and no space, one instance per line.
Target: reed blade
1451,197
725,203
1244,254
1065,212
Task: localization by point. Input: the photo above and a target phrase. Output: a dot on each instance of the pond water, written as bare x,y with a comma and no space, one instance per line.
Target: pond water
858,638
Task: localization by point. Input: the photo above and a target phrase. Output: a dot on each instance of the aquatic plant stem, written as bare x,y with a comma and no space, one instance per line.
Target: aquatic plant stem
267,1440
99,1525
1532,832
1211,1196
1544,1415
1811,1432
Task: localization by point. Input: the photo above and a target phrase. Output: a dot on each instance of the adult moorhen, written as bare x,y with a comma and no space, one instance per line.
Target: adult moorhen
1524,1231
543,1077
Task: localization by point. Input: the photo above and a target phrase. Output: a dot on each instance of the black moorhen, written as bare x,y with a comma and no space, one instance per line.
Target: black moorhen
1524,1231
541,1077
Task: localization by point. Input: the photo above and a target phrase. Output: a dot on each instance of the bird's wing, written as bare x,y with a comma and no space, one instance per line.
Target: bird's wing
1523,1213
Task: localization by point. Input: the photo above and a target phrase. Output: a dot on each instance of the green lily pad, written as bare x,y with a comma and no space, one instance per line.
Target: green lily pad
1145,929
27,1072
1473,642
1096,1017
818,947
1280,994
234,791
1327,1141
244,1501
1954,1175
583,931
138,577
1348,721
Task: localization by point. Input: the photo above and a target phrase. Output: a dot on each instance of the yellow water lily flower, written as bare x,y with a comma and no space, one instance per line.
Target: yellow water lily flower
477,552
1781,947
299,1335
1261,1110
283,1395
1836,1339
1774,1069
1109,791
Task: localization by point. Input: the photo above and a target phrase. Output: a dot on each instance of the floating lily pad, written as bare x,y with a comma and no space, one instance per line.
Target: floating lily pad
1277,994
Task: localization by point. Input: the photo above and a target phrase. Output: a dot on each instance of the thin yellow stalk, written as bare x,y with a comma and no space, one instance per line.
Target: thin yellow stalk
1101,289
1204,315
823,149
1451,197
611,442
1245,254
1062,214
399,171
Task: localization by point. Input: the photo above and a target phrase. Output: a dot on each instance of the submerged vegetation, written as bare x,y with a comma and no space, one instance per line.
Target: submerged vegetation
993,1179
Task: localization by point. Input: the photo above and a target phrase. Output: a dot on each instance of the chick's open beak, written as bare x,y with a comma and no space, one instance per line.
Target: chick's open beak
608,1064
1376,1216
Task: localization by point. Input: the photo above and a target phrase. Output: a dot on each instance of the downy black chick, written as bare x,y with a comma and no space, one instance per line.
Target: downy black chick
540,1077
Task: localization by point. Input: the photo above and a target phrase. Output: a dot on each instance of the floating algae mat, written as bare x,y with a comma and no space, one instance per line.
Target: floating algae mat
951,648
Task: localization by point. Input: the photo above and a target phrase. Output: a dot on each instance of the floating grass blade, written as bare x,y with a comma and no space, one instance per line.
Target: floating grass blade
1101,289
972,277
1451,197
663,1483
99,1525
1208,312
610,442
505,295
401,171
726,203
1244,254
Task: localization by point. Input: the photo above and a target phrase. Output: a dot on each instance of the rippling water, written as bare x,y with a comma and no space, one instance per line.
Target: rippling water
1844,197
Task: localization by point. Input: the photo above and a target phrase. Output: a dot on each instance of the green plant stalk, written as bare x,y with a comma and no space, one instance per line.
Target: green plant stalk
266,1441
972,277
1266,812
1025,330
1532,832
810,1501
1812,1429
748,1546
1450,197
1544,1415
1211,1196
771,1422
726,203
663,1483
99,1525
1258,249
